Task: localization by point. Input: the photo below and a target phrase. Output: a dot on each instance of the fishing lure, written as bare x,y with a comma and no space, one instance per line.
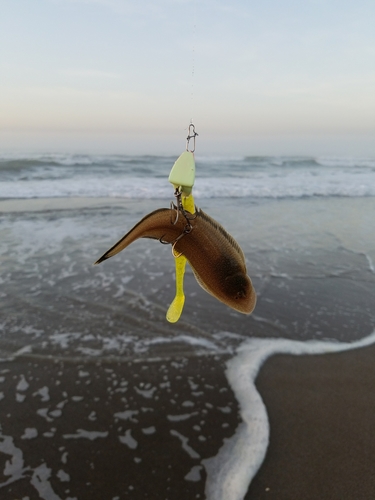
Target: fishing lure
216,259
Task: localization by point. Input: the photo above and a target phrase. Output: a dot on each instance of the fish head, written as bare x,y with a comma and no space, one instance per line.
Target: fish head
239,293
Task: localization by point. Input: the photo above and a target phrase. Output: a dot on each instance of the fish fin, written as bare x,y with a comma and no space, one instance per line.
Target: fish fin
218,227
117,247
145,228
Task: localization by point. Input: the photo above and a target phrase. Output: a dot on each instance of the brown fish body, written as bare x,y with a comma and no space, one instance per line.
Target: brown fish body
215,257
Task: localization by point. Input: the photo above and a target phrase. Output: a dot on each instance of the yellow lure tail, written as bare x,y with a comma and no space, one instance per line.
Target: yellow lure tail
175,309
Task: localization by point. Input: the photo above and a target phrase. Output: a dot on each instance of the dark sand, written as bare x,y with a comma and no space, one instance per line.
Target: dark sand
188,396
322,417
321,411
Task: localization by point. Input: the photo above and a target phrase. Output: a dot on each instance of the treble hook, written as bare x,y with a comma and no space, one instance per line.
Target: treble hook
187,229
179,208
174,255
192,134
173,207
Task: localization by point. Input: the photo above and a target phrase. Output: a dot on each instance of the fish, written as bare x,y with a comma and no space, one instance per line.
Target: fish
215,257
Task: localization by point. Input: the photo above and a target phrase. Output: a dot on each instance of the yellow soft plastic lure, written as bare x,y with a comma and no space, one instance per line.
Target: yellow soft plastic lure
175,309
182,176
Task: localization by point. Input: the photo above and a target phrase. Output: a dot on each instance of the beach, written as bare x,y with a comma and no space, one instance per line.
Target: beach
101,397
321,411
113,430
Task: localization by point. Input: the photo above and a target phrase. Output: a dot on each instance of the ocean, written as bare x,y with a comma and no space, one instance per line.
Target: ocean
88,355
134,177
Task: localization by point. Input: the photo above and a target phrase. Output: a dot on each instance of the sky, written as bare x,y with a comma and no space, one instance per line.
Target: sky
270,77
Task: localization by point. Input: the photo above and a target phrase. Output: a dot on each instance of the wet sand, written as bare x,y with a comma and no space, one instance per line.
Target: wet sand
140,430
322,417
112,431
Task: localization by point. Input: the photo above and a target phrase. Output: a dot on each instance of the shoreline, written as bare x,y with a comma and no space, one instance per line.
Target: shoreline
164,418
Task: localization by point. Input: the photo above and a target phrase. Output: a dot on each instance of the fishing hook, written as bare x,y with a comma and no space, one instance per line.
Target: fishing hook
188,226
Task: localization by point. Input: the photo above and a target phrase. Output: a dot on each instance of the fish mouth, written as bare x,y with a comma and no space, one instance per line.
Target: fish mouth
244,305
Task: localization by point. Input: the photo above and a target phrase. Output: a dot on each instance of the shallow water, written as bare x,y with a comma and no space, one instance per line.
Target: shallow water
311,262
90,344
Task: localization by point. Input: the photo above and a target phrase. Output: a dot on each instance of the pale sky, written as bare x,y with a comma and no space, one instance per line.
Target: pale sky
126,76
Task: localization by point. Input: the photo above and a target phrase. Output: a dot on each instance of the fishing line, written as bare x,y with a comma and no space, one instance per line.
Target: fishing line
193,58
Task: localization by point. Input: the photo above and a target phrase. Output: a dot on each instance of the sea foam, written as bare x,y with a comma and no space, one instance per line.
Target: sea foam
129,177
231,471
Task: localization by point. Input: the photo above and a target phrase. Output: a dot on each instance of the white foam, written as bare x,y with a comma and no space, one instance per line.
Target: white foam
127,415
187,339
149,430
194,474
230,472
22,385
184,441
16,469
294,184
180,418
50,176
43,412
40,482
43,392
63,476
128,440
82,433
146,393
30,433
